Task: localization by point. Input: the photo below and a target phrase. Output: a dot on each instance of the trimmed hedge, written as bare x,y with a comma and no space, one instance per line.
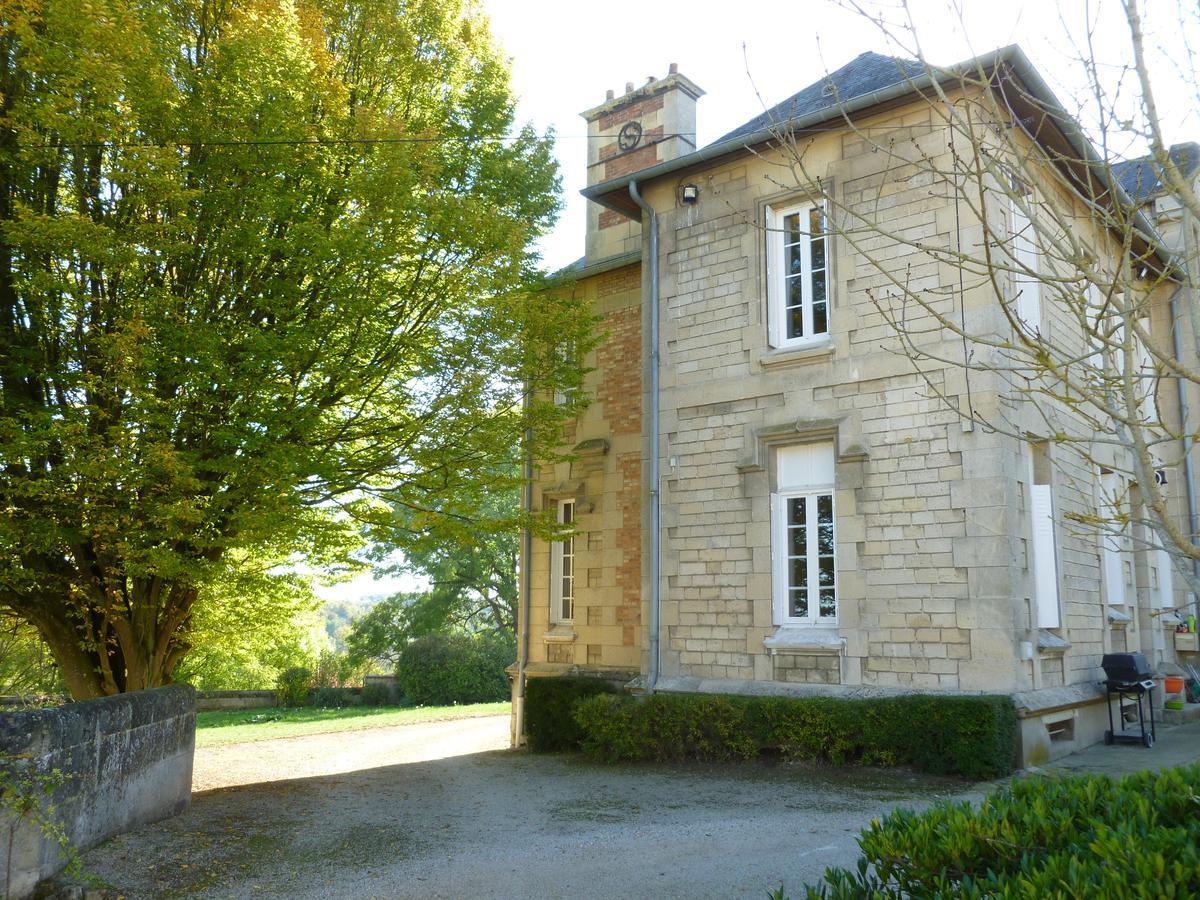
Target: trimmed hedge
1083,836
549,706
970,736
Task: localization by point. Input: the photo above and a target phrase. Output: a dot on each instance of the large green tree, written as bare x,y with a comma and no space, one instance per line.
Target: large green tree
264,273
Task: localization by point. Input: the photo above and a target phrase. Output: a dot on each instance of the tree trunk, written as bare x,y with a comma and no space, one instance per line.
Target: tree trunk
101,652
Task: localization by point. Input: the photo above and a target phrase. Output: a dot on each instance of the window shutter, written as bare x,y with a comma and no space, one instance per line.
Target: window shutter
778,569
774,262
1045,556
1166,580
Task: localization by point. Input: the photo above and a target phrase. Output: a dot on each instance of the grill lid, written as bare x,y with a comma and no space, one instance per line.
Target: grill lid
1126,667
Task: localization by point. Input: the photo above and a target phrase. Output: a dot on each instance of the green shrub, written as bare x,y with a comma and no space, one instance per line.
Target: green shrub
1084,836
376,694
549,706
292,686
971,736
336,697
439,669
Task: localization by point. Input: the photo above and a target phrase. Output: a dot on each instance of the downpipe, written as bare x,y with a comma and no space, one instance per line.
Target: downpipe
650,218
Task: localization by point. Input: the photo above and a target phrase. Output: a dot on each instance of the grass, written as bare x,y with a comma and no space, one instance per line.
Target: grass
241,725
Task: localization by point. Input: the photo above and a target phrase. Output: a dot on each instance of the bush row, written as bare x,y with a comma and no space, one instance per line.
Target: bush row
1084,836
970,736
436,670
550,703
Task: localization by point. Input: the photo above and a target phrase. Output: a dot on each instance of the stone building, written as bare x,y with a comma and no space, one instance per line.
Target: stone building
823,523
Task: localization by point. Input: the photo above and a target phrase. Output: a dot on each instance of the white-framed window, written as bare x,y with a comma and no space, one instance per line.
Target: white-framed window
803,536
798,282
562,568
1027,286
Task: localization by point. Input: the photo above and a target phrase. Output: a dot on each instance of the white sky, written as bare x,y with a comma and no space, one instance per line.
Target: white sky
565,55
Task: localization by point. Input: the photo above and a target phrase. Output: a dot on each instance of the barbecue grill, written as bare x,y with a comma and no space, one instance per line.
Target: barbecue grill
1128,677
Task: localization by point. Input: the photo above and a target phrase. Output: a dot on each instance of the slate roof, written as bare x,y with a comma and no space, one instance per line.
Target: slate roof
864,74
1142,179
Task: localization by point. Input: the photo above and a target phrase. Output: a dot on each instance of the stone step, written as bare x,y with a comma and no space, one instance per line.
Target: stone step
1189,713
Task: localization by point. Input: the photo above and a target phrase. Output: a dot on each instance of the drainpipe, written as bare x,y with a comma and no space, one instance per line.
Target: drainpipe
523,616
651,219
1189,473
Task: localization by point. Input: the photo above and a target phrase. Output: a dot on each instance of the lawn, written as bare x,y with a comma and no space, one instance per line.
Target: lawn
240,725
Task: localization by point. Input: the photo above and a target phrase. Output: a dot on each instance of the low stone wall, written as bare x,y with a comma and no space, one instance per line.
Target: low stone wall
126,760
207,701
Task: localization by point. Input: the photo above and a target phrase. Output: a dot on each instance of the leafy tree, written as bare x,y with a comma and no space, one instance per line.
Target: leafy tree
25,665
465,546
264,272
250,627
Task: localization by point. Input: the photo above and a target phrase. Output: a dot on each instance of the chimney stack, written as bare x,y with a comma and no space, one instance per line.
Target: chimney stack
643,127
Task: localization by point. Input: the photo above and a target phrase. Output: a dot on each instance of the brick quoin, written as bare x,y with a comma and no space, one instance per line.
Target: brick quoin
609,218
619,360
632,111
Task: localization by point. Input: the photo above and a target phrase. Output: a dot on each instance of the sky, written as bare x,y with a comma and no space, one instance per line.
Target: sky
565,55
750,54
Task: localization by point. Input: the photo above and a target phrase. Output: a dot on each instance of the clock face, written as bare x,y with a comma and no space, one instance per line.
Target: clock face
630,134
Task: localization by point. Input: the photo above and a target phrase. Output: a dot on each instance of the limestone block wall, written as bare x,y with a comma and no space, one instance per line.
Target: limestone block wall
605,480
127,760
933,525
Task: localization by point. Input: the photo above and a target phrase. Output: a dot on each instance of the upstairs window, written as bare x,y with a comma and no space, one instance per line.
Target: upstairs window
803,536
1026,262
798,275
562,567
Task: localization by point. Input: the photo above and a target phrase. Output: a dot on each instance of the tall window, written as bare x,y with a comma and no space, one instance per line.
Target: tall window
798,274
562,567
1025,259
803,536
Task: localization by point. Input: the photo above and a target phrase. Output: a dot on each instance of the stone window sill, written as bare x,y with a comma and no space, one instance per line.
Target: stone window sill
562,633
786,357
805,639
1049,642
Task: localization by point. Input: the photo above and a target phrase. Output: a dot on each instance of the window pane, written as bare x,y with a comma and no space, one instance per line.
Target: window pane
818,287
828,604
795,260
825,509
825,539
791,229
568,513
816,226
825,567
798,541
820,325
795,322
798,604
796,511
799,575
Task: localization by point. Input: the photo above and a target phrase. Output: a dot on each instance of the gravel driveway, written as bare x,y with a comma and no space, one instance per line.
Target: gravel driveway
443,810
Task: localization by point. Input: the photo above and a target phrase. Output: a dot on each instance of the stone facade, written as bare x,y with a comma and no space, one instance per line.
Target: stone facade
933,526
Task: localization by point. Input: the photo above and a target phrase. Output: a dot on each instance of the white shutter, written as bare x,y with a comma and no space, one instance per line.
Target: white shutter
1025,256
775,290
1045,556
1113,547
1146,383
778,567
1166,580
802,467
